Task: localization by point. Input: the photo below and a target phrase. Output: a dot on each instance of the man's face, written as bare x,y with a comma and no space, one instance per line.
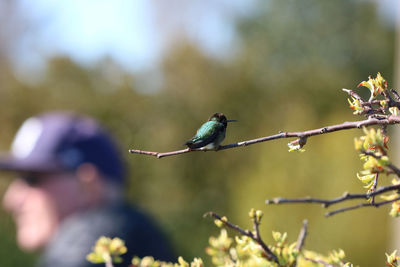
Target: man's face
38,204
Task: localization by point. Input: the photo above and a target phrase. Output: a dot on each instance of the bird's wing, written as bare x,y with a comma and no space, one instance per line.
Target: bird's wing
205,134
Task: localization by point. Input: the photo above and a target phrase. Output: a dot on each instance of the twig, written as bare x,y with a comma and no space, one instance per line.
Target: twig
327,202
354,94
368,105
159,154
389,120
393,168
255,236
320,262
361,205
395,94
346,196
300,240
389,99
374,186
229,224
302,236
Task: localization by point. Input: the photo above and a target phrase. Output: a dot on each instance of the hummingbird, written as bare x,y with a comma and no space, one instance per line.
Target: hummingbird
211,133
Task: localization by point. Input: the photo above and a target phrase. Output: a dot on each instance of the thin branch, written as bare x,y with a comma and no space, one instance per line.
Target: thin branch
387,120
390,101
367,105
302,236
395,94
255,236
235,227
258,239
345,197
300,240
374,186
324,263
159,154
327,202
362,205
354,94
393,168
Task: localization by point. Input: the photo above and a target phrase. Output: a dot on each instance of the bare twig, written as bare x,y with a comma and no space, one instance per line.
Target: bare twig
361,205
387,120
229,224
324,263
302,236
354,94
300,240
395,94
327,202
394,169
255,236
345,197
159,154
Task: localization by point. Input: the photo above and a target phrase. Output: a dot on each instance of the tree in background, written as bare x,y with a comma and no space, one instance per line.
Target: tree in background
291,59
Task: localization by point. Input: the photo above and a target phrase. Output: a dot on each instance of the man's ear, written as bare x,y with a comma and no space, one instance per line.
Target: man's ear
91,183
88,175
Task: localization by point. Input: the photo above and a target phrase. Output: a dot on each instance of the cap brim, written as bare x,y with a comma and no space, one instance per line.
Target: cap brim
10,163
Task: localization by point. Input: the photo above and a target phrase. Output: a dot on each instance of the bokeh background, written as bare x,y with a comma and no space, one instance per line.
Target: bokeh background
153,71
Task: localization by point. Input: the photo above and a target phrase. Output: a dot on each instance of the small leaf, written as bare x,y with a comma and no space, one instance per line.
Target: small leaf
392,259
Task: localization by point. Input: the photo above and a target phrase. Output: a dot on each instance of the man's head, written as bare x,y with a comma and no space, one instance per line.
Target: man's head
64,163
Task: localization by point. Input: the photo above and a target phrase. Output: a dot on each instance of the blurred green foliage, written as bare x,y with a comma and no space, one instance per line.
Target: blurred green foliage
291,61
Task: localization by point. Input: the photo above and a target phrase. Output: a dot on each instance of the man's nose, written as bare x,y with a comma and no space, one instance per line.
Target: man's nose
15,195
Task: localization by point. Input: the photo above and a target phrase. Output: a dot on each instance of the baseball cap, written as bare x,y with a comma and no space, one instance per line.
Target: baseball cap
62,141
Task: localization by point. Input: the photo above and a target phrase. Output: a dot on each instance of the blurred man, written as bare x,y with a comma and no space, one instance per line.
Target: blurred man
68,192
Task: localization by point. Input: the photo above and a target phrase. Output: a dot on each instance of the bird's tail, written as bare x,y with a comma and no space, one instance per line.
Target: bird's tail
193,145
188,143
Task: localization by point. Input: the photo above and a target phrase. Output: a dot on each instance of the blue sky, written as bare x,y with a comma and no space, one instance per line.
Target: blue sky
89,29
133,32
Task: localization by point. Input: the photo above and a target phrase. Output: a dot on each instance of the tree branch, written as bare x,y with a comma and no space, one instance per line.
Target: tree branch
393,168
345,197
386,120
302,236
361,205
300,239
255,236
395,94
324,263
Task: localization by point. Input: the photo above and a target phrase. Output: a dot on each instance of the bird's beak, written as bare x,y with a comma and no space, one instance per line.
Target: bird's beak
231,120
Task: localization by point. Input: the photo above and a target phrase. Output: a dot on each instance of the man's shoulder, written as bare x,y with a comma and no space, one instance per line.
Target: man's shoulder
117,220
78,233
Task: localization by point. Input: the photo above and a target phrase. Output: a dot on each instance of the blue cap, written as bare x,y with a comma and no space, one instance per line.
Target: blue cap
62,141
